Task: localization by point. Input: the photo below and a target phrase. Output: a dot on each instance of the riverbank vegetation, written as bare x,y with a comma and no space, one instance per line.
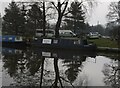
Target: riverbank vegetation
103,42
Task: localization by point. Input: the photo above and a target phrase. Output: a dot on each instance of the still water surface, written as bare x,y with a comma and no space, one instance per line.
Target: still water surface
44,67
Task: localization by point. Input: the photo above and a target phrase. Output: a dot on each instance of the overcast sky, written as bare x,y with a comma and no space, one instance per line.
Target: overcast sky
98,15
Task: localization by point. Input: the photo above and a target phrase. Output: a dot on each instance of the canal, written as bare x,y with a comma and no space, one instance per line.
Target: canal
49,67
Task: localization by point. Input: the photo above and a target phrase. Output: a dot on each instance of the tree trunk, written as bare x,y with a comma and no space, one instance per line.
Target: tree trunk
56,72
57,28
119,72
42,69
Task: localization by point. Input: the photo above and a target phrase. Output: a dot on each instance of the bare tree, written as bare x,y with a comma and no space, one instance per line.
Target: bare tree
114,16
61,13
61,9
114,13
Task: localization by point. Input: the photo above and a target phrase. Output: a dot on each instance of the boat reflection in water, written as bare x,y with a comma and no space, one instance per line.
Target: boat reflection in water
44,67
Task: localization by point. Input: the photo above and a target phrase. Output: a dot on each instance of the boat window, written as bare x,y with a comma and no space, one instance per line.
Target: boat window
10,38
55,41
77,42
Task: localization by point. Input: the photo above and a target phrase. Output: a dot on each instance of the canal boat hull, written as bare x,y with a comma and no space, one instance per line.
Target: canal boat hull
17,45
64,44
13,41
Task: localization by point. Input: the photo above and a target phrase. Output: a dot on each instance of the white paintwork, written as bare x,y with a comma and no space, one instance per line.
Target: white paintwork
47,41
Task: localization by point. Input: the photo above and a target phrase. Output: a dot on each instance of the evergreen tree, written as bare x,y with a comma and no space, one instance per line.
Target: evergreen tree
13,20
75,18
35,19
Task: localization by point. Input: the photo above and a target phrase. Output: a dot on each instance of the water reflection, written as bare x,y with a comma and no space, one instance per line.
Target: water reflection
73,67
22,66
44,67
112,72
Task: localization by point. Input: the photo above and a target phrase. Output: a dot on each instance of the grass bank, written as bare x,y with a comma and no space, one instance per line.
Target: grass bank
102,42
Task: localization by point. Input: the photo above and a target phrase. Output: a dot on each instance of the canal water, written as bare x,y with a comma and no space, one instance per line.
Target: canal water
48,67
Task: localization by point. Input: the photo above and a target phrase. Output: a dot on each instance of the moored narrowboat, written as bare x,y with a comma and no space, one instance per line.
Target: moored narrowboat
62,43
13,41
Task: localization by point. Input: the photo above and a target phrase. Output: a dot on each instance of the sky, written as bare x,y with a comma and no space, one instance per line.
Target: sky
99,13
97,16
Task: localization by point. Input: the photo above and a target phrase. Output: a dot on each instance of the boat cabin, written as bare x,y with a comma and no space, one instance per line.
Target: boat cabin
12,38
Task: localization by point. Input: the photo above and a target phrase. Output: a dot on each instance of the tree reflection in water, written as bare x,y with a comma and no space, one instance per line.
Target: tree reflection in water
112,73
22,67
74,66
27,68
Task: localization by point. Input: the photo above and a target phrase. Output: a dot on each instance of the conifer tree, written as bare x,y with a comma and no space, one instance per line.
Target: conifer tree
13,20
35,18
76,17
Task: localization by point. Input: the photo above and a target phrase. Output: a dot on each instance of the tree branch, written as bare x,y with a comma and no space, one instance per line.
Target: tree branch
66,4
54,5
66,13
60,83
